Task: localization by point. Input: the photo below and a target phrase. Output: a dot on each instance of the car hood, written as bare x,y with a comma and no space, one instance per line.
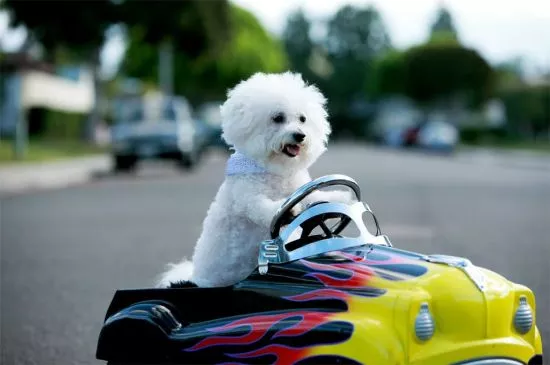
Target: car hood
468,304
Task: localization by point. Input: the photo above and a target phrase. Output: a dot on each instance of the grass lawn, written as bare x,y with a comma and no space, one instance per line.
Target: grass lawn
38,151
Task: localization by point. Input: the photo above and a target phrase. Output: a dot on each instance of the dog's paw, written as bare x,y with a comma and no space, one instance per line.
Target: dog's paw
335,196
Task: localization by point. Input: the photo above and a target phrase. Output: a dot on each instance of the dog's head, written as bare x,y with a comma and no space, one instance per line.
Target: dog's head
276,119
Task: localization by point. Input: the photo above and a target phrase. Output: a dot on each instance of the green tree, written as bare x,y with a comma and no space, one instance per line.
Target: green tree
355,38
528,110
250,49
509,74
193,26
356,33
57,32
298,43
436,73
389,75
441,72
443,28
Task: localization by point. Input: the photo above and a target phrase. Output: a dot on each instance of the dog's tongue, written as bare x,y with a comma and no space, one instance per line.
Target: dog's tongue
292,149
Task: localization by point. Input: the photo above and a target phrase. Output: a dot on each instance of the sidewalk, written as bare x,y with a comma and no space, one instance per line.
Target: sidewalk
505,157
29,176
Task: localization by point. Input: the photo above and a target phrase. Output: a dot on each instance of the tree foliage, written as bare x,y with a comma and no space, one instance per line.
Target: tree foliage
442,71
355,38
389,75
250,49
435,72
53,32
298,43
443,27
356,33
193,26
528,109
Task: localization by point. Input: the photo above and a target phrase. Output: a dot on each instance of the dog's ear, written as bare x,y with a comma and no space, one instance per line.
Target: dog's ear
234,124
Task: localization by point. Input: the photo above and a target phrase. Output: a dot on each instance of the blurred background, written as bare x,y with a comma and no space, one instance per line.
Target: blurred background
436,74
440,109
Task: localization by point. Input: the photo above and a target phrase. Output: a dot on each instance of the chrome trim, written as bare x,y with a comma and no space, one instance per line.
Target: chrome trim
424,326
309,187
495,361
274,251
472,271
523,318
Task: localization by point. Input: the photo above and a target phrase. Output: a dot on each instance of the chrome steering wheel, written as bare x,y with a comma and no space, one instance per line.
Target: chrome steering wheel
282,247
281,217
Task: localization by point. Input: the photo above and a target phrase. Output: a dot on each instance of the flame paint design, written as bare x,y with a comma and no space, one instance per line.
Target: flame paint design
259,326
357,270
283,354
289,337
318,295
382,259
354,275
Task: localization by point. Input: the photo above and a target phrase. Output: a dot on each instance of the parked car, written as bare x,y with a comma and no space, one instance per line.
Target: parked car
162,128
209,114
434,135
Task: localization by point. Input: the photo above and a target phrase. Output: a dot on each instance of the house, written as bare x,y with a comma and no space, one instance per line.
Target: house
27,83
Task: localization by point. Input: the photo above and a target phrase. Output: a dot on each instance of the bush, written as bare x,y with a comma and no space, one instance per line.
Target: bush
528,109
477,135
55,125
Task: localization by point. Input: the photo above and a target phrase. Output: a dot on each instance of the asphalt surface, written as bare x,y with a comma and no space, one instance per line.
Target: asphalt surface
64,252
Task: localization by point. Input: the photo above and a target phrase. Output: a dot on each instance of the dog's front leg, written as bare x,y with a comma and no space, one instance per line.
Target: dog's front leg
260,209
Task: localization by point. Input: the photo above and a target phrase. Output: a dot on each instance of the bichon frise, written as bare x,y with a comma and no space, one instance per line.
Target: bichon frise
277,125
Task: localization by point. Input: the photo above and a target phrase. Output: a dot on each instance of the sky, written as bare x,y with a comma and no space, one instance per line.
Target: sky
500,30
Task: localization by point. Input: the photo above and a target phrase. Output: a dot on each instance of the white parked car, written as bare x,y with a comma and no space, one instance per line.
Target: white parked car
159,128
438,135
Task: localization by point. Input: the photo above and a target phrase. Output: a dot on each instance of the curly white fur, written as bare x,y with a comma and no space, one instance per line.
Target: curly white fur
239,217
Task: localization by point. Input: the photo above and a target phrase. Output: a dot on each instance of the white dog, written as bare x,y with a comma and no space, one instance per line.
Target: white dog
277,125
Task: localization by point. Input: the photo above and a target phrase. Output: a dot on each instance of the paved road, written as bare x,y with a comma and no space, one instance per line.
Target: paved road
64,252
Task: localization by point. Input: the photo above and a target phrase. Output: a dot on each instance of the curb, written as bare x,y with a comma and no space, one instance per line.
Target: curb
51,175
512,158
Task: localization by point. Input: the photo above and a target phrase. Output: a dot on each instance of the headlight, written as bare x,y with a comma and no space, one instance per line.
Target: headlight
523,319
424,326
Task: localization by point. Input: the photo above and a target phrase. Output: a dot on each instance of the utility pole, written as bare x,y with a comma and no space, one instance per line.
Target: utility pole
166,67
21,129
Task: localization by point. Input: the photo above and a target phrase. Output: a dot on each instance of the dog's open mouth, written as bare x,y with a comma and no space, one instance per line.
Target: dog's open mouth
291,150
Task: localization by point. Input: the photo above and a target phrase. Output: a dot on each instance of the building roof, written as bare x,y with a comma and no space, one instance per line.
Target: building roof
11,62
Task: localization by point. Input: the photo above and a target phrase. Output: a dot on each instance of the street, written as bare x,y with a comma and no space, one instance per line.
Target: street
64,252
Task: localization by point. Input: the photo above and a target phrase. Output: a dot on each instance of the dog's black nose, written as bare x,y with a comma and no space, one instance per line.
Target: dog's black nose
298,137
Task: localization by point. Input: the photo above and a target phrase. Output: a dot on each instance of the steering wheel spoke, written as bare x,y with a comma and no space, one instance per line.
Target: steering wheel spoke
325,229
309,226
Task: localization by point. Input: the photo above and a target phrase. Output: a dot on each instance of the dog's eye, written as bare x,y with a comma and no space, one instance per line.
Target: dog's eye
279,118
302,119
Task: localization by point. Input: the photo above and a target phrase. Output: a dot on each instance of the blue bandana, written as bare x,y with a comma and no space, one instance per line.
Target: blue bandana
239,163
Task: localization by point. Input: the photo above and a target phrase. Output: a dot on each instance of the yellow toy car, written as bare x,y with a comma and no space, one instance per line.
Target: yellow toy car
321,297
